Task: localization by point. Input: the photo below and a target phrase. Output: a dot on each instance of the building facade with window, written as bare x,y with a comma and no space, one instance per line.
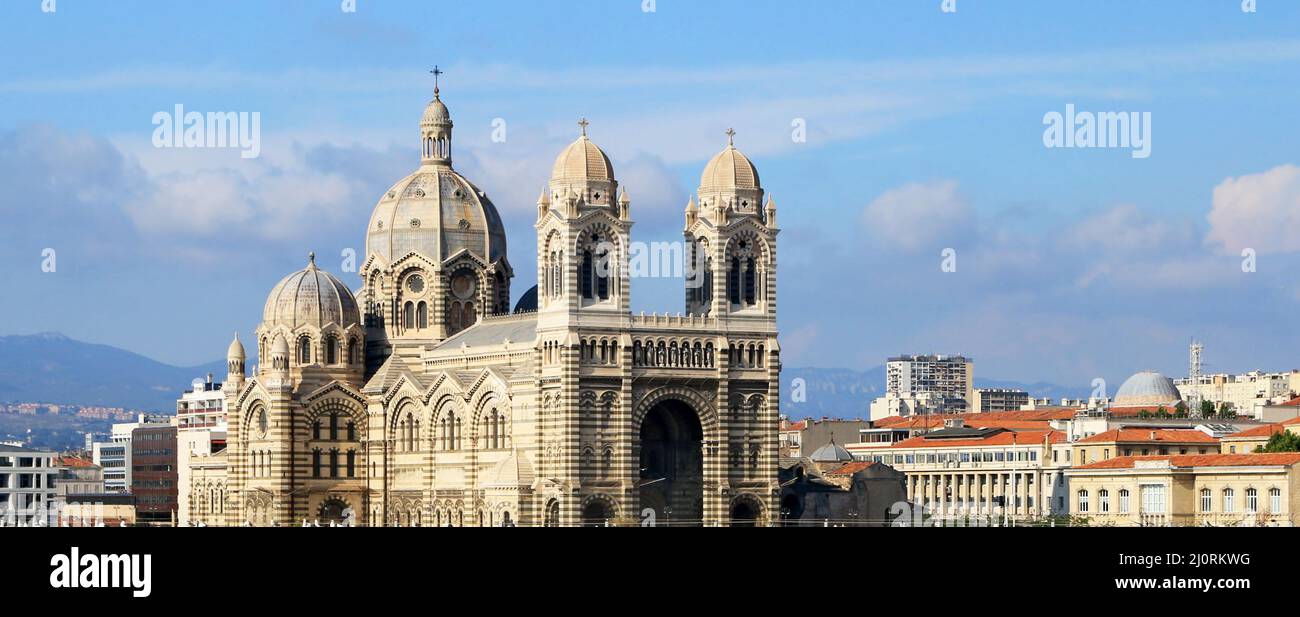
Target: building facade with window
154,475
1222,490
28,486
423,400
1136,441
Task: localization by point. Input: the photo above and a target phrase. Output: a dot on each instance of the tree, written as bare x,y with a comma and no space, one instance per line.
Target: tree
1226,411
1281,441
1207,409
1180,410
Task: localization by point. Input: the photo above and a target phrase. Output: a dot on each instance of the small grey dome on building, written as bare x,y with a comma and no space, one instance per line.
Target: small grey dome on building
310,297
831,452
1147,388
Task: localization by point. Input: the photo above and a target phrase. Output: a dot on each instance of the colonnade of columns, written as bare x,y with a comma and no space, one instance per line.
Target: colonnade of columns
957,493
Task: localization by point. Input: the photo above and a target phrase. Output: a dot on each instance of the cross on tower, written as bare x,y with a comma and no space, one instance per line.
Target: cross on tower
731,137
583,123
436,72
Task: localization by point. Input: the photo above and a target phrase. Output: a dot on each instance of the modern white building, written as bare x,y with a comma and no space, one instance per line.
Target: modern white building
201,431
202,406
919,385
28,480
115,459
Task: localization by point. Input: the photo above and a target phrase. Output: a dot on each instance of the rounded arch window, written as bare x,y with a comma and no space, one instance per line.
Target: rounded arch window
463,285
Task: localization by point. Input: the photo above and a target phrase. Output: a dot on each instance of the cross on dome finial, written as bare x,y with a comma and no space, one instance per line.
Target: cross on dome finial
583,123
731,137
311,259
436,73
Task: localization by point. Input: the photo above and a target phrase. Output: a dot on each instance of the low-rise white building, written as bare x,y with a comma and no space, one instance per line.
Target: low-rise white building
28,486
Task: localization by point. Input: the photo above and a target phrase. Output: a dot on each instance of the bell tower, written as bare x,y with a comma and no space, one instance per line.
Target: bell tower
731,241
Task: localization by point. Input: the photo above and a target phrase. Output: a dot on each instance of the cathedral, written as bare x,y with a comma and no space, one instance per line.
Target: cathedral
424,399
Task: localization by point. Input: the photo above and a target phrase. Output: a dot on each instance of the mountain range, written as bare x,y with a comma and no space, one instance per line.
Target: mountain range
52,368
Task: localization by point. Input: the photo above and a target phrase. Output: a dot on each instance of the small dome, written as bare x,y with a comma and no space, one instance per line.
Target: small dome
280,347
436,112
1147,388
310,297
728,171
582,161
528,302
831,452
515,471
236,349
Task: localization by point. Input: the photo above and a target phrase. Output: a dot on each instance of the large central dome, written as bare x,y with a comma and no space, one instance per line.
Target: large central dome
435,211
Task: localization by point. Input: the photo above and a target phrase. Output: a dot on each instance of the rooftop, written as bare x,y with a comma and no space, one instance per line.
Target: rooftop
1139,435
1001,438
1201,460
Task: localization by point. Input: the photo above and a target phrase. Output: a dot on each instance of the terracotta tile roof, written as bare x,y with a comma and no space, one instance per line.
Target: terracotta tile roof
1295,402
1259,431
1125,435
1291,422
1004,438
795,426
849,469
74,461
1201,460
1014,425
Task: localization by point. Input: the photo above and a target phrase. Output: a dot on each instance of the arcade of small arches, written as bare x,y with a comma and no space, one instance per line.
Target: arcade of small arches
331,349
437,147
492,430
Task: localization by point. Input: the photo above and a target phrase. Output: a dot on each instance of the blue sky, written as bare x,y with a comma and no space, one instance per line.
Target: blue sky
924,133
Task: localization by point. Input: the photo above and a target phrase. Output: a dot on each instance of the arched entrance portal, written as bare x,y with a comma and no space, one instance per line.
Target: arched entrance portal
334,511
672,464
595,514
744,514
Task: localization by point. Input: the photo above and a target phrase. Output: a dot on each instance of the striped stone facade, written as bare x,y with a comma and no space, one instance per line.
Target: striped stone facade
573,412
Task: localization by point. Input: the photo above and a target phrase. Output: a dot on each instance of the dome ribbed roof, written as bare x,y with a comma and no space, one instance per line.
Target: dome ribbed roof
435,212
311,297
514,471
729,170
583,160
831,452
1147,388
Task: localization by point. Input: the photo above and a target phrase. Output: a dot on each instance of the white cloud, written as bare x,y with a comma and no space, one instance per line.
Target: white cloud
1257,211
920,217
